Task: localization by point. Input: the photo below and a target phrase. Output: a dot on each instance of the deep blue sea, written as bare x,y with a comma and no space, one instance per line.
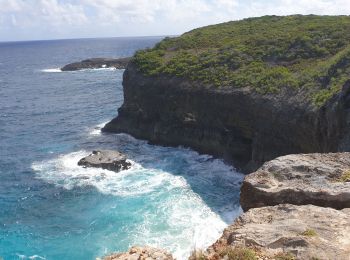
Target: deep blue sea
50,208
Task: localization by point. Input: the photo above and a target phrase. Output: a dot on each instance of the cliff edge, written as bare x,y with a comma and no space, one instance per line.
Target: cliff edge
248,91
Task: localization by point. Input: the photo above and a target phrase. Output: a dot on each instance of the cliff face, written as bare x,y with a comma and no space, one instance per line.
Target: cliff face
238,124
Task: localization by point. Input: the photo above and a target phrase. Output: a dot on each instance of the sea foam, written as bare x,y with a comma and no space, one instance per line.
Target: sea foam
55,70
97,129
175,217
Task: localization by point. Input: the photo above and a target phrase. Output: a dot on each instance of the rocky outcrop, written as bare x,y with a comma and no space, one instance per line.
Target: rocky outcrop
237,124
300,232
141,253
106,159
96,63
318,179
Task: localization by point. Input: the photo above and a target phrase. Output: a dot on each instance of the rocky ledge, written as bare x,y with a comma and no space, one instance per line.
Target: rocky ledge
96,63
141,253
288,232
318,179
279,225
106,159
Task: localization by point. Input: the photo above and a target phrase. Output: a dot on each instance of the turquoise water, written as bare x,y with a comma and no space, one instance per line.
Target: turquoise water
50,208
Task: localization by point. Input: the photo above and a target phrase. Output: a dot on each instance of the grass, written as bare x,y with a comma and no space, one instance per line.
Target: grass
285,256
266,53
345,177
309,233
238,253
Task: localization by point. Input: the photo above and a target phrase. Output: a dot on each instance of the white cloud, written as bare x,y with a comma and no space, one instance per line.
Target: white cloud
77,18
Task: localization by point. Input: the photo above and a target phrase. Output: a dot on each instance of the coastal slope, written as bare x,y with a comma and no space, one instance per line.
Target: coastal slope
247,91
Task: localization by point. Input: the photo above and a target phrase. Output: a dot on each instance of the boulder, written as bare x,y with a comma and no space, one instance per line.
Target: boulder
106,159
296,232
318,179
96,63
141,253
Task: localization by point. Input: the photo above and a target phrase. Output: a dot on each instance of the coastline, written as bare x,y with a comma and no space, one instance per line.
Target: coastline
290,134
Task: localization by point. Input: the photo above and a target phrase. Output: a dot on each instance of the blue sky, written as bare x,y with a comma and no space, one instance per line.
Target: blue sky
57,19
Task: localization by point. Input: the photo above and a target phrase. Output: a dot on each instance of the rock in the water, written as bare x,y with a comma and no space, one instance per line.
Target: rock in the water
141,253
318,179
106,159
96,63
305,232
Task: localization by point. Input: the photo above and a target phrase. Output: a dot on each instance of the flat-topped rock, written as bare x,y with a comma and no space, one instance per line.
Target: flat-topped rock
300,232
96,63
318,179
106,159
141,253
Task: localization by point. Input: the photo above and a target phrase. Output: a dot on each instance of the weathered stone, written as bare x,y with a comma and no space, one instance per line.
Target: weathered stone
237,124
141,253
307,232
96,63
106,159
318,179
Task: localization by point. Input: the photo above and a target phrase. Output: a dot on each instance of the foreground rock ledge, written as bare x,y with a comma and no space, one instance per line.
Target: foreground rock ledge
318,179
305,232
141,253
106,159
96,63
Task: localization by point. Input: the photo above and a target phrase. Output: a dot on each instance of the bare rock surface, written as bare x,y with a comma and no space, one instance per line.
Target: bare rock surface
141,253
300,232
106,159
96,63
318,179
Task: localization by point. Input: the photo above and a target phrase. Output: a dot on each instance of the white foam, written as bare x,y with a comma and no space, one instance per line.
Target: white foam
97,129
177,218
65,172
52,70
98,69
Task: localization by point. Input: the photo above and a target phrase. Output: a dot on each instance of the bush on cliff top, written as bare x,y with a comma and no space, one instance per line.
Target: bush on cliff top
266,53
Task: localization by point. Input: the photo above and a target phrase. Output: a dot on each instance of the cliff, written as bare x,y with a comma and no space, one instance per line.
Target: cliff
248,91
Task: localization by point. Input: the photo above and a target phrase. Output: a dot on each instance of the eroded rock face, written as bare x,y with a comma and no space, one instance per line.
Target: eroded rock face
237,124
106,159
307,232
318,179
141,253
96,63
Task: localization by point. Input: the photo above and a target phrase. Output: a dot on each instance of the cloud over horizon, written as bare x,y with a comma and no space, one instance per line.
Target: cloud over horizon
52,19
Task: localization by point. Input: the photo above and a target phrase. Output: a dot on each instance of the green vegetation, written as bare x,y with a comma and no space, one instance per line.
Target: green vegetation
345,177
266,53
238,253
285,256
309,233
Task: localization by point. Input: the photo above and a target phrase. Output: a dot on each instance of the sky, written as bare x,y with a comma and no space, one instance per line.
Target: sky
62,19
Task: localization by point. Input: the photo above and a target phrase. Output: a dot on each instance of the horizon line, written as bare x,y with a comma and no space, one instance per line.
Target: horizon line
86,38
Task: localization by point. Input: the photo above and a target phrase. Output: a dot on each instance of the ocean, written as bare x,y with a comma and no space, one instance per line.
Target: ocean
50,208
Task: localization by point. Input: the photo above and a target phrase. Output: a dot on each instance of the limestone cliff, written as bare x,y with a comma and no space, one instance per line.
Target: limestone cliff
246,91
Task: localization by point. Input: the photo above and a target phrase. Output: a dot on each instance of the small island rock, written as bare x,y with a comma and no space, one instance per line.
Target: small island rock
317,179
106,159
96,63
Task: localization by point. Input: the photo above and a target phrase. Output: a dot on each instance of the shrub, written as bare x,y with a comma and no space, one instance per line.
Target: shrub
238,253
309,233
266,53
285,256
